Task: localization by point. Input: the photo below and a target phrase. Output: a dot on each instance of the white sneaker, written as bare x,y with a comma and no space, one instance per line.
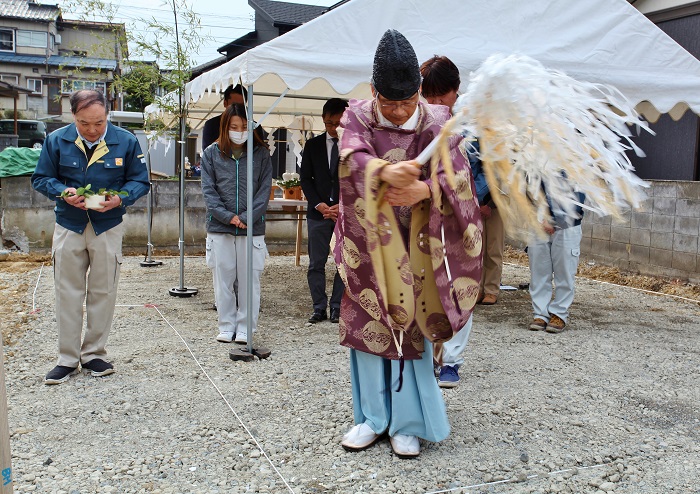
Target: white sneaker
359,437
405,446
225,337
241,338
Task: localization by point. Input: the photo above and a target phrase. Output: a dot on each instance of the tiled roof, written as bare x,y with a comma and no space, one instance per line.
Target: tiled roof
24,9
60,61
285,12
206,66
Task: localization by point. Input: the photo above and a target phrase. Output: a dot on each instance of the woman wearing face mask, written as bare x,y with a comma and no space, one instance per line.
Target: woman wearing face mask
225,186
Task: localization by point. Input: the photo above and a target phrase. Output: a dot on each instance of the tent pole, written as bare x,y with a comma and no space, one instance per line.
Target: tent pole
274,105
149,262
181,290
249,230
249,353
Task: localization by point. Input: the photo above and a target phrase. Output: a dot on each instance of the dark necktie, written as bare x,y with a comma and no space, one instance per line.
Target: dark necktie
335,157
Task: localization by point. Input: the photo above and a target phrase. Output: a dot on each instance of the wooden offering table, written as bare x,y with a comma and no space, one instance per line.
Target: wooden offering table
296,208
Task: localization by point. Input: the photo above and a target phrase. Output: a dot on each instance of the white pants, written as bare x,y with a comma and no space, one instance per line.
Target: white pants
554,260
452,349
226,257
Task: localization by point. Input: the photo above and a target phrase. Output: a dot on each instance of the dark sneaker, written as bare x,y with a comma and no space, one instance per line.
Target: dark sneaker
59,374
318,316
555,325
99,367
537,324
335,315
449,377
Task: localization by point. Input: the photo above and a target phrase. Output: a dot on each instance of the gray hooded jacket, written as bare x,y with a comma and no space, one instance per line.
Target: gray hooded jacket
224,186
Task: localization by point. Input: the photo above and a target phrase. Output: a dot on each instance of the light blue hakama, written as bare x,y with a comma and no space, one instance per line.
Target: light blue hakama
417,410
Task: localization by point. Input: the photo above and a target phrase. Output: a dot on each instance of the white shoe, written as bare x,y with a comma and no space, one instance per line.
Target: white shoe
405,446
359,437
225,337
241,338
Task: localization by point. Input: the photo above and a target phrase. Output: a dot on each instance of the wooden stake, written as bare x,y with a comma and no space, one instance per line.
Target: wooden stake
5,456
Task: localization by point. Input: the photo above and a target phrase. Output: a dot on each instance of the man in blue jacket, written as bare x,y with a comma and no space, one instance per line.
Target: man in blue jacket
89,151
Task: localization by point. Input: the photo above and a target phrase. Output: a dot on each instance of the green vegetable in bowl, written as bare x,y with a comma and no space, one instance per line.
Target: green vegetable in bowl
86,191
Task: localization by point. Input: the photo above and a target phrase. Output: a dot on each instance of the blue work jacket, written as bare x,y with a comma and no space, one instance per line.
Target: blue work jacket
117,164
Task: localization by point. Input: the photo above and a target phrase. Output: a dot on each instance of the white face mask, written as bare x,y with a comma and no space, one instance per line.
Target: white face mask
238,137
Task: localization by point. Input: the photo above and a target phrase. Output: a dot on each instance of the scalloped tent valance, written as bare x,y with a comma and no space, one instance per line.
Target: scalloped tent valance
604,41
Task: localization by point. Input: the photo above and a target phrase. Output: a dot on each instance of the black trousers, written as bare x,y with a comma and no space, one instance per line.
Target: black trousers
320,233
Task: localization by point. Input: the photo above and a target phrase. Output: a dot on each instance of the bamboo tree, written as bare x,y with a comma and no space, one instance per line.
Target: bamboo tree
173,51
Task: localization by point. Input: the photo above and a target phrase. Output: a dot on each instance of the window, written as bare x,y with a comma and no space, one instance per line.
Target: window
34,39
68,86
34,85
7,40
12,79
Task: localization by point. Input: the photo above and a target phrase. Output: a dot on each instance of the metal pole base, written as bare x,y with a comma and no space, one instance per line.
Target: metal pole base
150,264
244,355
183,292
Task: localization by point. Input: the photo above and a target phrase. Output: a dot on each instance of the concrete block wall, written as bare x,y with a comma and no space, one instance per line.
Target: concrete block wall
661,238
28,219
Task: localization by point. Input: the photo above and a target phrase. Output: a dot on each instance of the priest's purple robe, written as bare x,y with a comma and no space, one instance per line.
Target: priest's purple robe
409,271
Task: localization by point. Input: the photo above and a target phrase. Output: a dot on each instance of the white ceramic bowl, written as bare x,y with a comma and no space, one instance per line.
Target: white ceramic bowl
93,202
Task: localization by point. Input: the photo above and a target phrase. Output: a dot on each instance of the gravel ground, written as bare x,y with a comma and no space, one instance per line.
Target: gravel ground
610,405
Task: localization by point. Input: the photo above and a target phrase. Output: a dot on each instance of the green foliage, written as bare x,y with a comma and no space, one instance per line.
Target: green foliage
86,191
172,50
112,192
288,184
139,82
113,37
9,113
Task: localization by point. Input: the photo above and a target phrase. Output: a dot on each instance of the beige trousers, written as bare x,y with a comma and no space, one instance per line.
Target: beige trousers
86,269
494,241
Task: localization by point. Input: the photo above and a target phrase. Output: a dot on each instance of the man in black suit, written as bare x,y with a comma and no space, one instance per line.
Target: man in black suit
319,180
233,95
210,131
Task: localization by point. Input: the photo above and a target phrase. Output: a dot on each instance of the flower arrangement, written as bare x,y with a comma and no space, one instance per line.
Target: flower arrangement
289,180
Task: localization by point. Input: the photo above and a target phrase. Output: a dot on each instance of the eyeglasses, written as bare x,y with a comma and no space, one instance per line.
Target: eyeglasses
407,106
331,124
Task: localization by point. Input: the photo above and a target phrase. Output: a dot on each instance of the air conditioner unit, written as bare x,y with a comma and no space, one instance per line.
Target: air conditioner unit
58,39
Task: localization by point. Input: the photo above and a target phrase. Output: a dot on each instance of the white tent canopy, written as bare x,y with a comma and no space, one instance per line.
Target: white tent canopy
602,41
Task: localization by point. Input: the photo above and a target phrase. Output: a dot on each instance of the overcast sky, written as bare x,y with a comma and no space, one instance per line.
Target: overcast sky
223,26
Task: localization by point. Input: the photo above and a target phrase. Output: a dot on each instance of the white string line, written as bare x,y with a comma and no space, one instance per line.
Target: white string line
36,287
262,451
513,481
661,294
